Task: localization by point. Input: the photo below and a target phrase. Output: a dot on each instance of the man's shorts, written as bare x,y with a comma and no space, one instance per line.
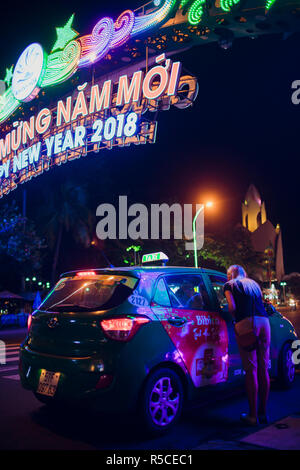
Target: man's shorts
260,356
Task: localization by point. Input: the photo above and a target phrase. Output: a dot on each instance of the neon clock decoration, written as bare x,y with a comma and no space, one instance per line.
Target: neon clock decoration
28,73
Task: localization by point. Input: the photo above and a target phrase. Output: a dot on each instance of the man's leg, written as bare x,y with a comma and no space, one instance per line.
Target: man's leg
263,355
249,361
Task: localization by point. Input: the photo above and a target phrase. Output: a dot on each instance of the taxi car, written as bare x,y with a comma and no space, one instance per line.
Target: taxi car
146,337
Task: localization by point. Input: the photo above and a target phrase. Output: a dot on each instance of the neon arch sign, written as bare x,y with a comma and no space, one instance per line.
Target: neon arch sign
72,52
109,113
97,116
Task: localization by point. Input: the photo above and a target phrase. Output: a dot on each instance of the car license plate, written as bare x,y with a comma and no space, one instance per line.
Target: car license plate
48,383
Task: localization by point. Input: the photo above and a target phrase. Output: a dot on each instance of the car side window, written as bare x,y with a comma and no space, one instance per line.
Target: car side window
161,296
188,292
217,283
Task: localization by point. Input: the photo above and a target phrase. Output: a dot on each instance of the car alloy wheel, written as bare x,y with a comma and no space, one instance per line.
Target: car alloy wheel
286,367
290,367
161,400
164,402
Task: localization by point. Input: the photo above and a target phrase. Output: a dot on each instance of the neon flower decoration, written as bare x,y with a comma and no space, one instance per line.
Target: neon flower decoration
96,45
196,12
123,28
62,64
8,104
227,5
145,22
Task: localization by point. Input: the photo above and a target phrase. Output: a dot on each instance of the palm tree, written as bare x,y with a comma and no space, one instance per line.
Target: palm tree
67,212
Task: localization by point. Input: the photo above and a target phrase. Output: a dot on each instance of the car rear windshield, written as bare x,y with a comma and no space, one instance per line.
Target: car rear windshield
90,293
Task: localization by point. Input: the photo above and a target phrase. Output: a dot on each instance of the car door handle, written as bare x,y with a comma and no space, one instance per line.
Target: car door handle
177,321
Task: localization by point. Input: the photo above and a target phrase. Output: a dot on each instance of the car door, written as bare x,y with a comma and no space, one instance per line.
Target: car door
216,284
182,303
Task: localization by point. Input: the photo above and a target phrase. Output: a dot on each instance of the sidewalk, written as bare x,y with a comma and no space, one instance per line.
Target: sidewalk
281,435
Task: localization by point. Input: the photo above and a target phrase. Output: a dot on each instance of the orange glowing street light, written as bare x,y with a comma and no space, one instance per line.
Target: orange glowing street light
208,204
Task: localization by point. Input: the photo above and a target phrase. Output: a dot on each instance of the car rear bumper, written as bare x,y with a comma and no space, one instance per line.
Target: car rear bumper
78,380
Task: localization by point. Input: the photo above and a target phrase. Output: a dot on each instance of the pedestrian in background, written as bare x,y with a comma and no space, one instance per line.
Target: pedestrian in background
252,331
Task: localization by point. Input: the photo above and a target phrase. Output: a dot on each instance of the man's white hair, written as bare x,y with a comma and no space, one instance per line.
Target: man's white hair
238,273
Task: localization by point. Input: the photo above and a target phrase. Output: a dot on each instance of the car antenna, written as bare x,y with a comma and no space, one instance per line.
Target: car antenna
106,259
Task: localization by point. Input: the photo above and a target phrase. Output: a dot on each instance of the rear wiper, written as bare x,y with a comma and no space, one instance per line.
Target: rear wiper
72,308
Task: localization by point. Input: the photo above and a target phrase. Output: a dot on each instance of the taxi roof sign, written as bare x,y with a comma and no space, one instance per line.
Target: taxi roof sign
151,257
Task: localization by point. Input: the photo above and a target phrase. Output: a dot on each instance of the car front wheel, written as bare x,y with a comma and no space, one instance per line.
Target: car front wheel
286,367
162,400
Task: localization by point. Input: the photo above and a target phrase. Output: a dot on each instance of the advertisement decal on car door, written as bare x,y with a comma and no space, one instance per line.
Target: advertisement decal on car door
199,335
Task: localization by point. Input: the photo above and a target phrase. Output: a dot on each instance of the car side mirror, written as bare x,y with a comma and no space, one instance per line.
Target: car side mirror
224,308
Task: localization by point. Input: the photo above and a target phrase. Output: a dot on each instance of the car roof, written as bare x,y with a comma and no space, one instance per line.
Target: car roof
136,271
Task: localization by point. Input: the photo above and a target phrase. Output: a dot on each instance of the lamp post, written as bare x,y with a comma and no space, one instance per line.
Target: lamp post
208,204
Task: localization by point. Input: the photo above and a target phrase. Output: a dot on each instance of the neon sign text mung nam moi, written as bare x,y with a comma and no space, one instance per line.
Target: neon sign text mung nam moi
96,116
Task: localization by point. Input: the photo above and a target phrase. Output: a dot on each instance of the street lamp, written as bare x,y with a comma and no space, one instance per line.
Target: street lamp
208,205
283,284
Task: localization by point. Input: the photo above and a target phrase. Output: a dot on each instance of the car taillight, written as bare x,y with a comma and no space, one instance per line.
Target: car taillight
122,328
86,273
29,321
104,381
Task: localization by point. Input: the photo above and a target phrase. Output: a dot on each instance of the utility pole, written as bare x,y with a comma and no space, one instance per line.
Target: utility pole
283,284
24,203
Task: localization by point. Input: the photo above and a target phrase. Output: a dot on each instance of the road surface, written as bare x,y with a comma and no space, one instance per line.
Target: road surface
27,424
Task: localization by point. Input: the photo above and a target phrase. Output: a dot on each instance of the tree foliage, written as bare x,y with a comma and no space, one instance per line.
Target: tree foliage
293,282
67,209
232,246
220,250
66,212
18,237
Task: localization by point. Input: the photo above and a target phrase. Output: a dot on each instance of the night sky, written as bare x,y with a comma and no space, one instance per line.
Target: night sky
242,128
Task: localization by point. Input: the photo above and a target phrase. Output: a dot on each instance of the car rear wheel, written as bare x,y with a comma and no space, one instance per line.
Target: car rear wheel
286,367
162,400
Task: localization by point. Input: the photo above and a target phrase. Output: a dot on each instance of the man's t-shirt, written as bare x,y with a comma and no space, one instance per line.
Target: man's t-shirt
246,305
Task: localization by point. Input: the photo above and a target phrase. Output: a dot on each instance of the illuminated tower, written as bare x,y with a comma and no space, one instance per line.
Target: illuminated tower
265,237
253,210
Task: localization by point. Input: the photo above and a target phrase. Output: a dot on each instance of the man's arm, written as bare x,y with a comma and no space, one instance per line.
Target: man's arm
231,302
